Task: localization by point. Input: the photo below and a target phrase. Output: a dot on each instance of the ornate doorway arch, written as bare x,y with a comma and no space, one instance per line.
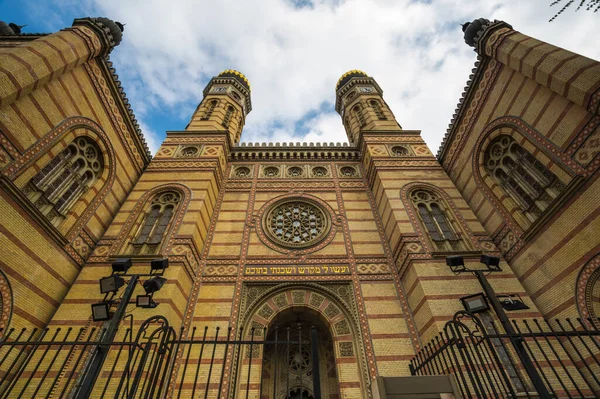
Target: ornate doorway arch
286,305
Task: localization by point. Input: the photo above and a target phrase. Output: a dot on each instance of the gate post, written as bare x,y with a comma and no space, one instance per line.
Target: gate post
515,339
315,356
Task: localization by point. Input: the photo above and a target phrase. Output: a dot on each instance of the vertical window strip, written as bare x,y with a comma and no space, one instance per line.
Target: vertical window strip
430,225
443,223
163,223
211,107
228,115
359,115
148,225
377,108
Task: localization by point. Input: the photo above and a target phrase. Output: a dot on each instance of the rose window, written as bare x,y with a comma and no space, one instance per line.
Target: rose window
294,171
348,171
189,152
271,171
399,151
299,359
319,171
296,223
242,171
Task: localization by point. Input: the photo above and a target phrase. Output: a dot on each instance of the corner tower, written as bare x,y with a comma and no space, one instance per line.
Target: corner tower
225,105
359,101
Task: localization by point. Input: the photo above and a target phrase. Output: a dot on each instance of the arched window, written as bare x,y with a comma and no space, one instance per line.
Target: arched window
155,222
436,220
211,108
62,181
359,115
228,116
377,108
526,180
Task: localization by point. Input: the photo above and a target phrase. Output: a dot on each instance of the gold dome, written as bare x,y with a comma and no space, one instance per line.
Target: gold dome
232,73
349,75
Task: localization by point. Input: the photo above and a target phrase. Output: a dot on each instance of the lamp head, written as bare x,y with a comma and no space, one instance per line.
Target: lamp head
100,311
492,262
159,264
121,265
154,284
456,263
111,284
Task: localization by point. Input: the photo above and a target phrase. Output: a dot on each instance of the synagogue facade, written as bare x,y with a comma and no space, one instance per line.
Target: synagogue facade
349,238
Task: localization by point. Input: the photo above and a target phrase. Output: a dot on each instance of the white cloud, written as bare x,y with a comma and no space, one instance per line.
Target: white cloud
294,56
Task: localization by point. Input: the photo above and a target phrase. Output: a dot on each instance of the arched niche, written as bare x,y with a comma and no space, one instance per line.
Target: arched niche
342,365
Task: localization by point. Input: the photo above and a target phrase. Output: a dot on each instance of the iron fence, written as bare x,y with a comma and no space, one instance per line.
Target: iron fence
154,362
565,354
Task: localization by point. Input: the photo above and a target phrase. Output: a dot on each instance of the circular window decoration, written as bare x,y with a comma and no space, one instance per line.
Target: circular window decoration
189,152
348,171
319,171
295,171
296,223
271,171
400,151
299,359
242,171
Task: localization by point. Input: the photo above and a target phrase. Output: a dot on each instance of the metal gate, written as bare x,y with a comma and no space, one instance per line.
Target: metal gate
154,362
565,354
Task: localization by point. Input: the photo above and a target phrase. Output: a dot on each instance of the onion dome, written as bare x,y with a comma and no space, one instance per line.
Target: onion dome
355,73
10,29
232,73
472,29
115,28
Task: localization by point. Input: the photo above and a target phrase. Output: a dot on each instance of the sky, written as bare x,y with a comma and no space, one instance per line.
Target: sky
294,51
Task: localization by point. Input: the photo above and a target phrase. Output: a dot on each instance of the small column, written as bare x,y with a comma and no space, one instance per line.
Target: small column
30,66
570,75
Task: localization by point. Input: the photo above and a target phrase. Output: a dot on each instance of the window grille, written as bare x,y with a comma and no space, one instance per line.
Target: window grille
525,179
377,108
155,222
437,221
359,115
61,182
228,116
211,108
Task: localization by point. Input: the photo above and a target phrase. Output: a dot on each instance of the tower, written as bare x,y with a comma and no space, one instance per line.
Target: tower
359,101
225,105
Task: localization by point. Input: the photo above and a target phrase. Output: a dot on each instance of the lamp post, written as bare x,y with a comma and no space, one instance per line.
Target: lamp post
457,265
110,285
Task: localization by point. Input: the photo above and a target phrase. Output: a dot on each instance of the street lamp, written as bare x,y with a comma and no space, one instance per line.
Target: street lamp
101,311
492,263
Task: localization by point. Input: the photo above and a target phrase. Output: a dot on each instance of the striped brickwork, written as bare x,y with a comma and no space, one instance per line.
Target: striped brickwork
546,98
55,89
423,273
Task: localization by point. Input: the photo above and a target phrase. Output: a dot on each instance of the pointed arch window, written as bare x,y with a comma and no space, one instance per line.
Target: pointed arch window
228,116
357,110
437,221
61,182
211,108
377,108
155,222
527,181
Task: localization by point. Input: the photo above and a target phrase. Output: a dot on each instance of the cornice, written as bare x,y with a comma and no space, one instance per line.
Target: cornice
461,107
116,87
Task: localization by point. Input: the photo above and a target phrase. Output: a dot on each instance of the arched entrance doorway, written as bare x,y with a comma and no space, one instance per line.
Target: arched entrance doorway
289,369
331,309
588,291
